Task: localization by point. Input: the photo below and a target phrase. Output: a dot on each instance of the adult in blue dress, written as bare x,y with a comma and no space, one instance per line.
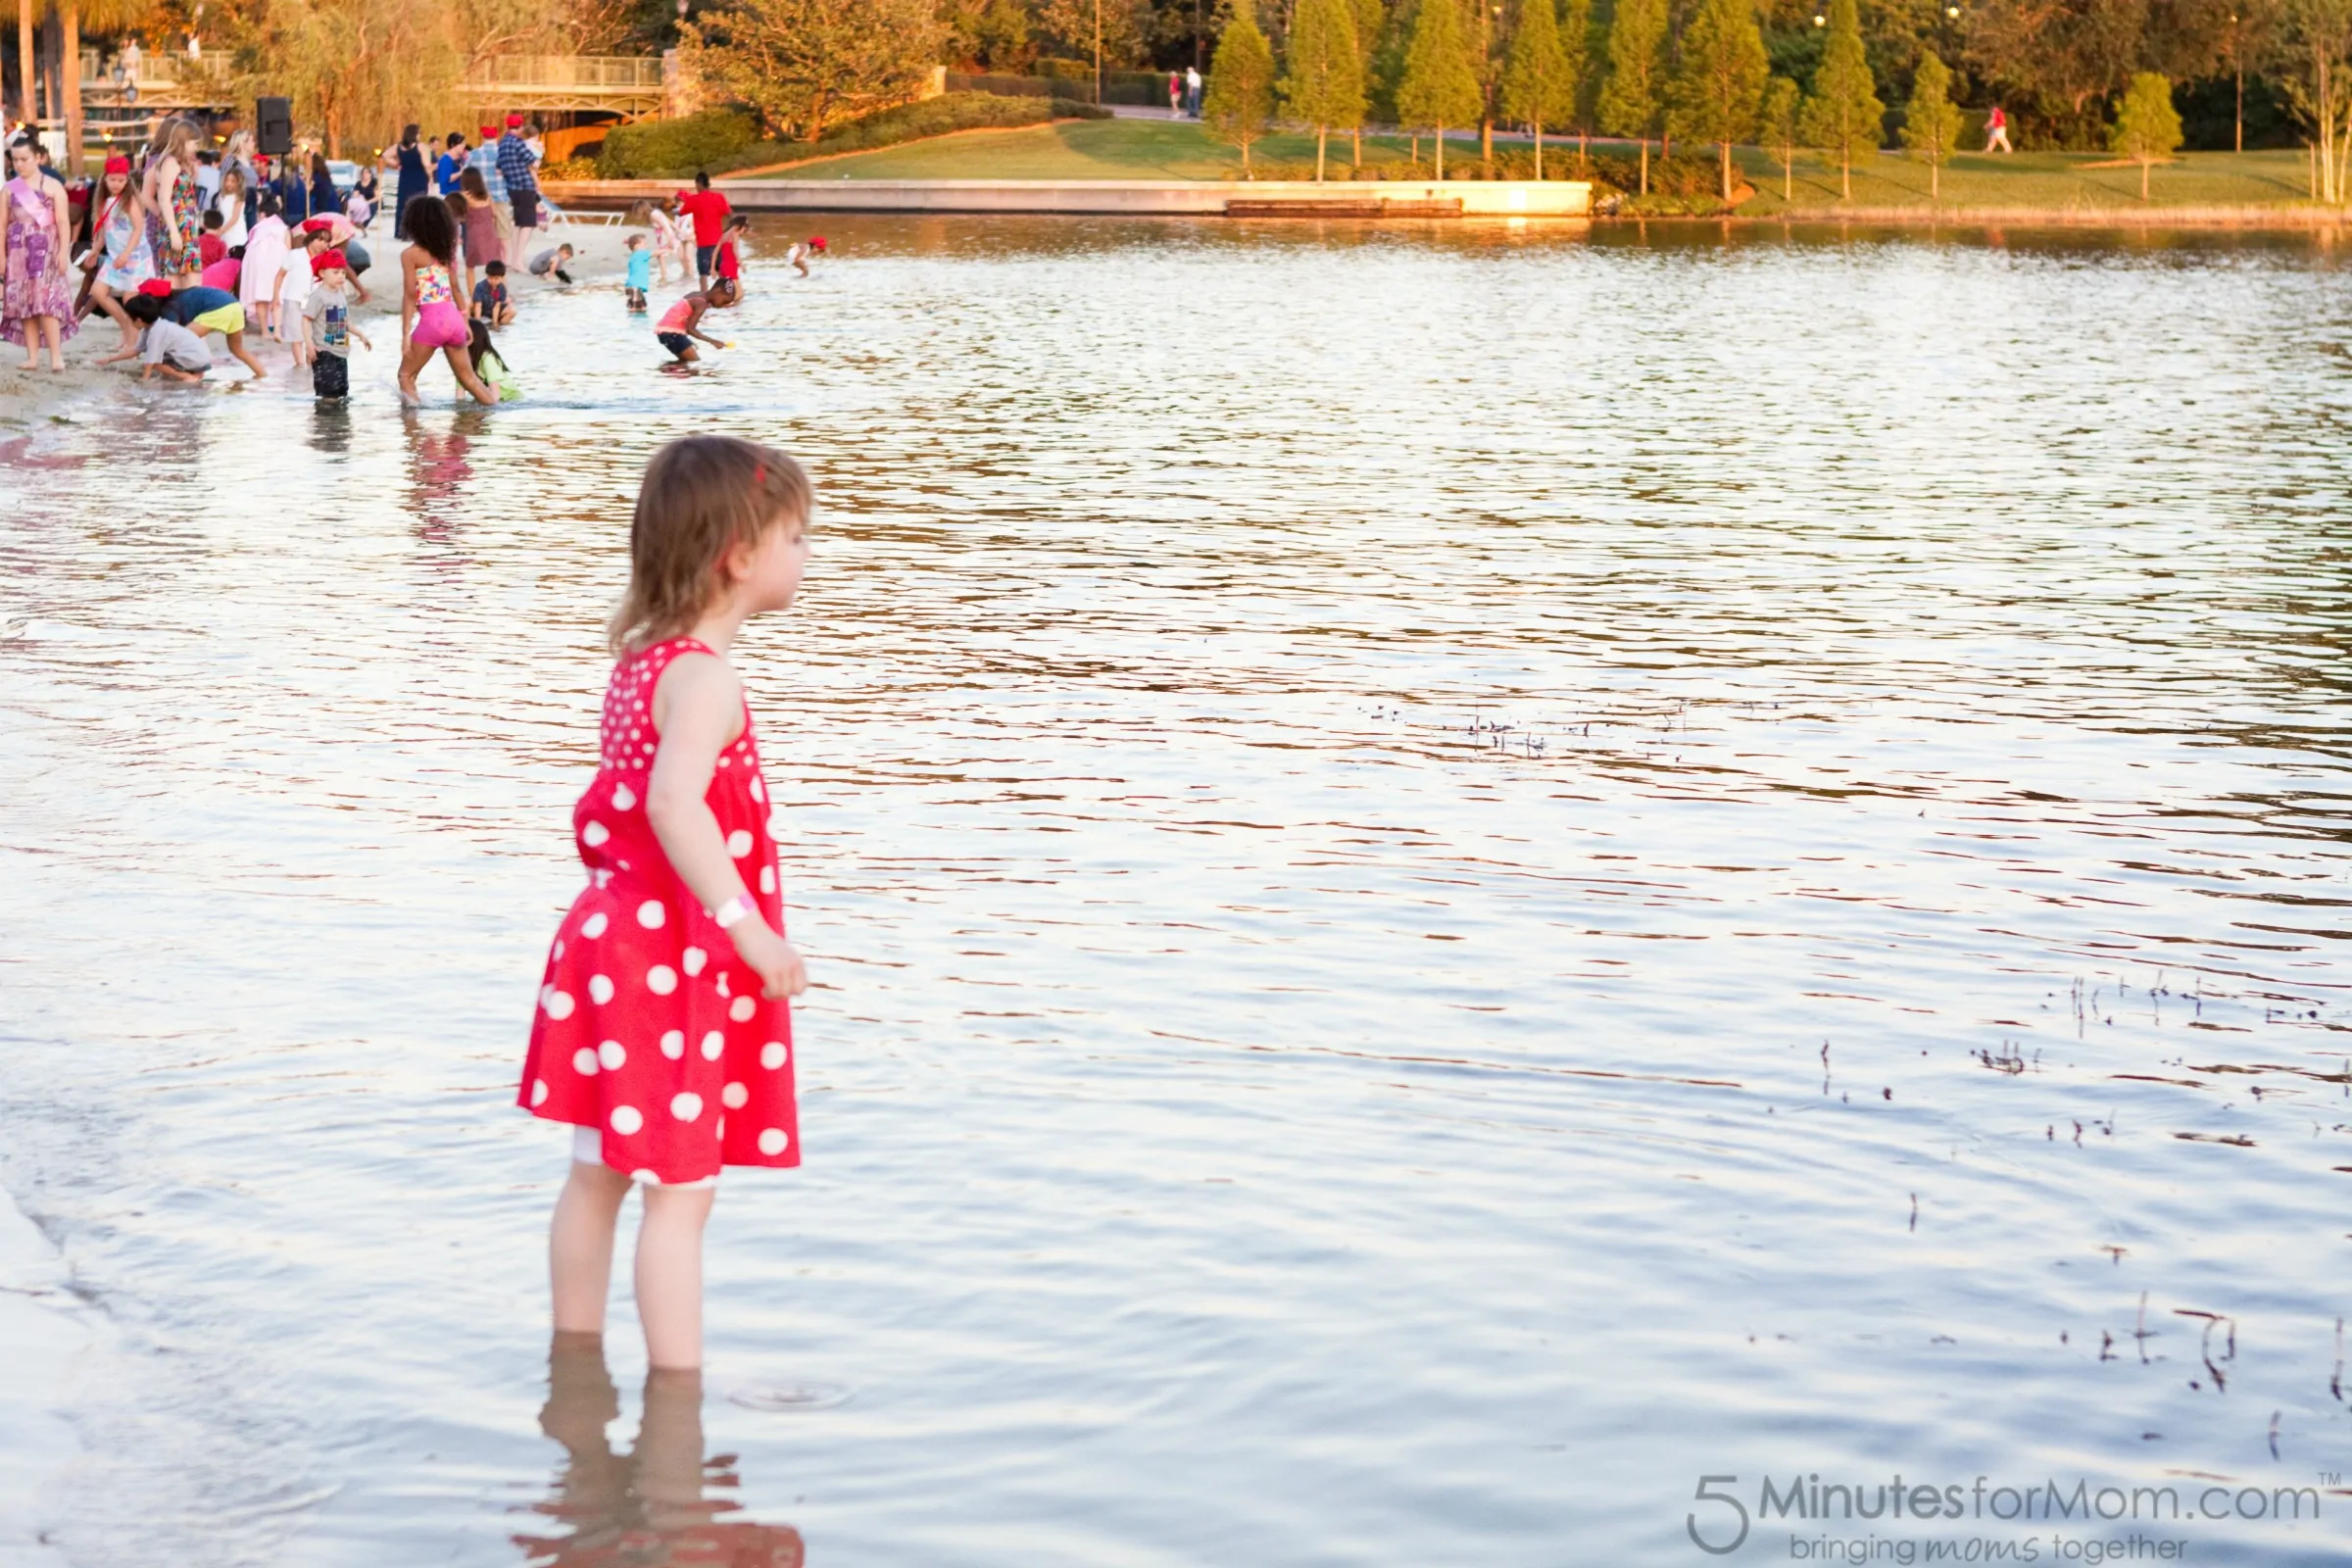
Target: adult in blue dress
413,180
324,198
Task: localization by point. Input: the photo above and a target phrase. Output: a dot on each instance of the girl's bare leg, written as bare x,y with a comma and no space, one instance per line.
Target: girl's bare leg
413,356
580,1247
236,347
103,298
464,370
670,1275
52,334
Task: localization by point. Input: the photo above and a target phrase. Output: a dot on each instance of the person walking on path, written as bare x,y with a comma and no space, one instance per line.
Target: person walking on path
1996,130
412,180
1191,91
1175,95
37,301
662,1036
518,167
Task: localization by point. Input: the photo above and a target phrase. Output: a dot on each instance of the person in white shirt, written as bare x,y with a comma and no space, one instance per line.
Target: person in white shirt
169,347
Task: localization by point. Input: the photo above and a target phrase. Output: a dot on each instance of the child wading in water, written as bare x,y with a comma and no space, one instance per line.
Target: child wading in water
664,1034
682,322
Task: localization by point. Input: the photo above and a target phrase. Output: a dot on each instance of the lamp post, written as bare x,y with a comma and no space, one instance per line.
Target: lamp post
1098,53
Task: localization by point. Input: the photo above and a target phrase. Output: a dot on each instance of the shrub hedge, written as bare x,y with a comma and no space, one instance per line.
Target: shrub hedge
710,139
722,139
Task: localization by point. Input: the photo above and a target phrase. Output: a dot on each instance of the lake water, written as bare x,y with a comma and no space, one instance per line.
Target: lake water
1459,875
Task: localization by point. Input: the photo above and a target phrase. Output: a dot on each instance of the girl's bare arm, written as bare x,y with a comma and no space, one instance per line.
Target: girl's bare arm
698,711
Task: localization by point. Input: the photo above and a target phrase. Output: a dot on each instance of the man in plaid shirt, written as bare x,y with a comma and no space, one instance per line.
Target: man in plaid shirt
515,167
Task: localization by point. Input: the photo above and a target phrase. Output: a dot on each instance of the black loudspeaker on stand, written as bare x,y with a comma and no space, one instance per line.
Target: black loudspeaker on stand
273,127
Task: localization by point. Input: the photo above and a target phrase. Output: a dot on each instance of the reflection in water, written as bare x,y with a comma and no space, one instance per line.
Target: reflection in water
649,1507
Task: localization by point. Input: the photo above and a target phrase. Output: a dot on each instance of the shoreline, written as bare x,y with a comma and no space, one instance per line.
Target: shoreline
1515,199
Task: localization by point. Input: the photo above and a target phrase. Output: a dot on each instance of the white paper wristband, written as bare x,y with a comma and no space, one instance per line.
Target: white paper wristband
734,910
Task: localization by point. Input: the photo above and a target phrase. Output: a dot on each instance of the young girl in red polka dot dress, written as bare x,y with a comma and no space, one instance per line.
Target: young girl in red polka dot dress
664,1032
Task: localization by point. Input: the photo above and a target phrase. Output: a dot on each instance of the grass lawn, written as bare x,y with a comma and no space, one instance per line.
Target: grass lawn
2034,180
1083,149
1161,149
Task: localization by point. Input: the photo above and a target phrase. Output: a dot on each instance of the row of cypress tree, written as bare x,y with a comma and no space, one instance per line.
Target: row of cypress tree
1711,84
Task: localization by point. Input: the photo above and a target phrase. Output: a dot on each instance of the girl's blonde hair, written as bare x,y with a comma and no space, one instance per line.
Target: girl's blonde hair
702,496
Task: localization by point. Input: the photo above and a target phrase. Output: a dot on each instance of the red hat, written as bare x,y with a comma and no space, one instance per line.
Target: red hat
331,261
816,242
118,165
155,288
489,132
513,121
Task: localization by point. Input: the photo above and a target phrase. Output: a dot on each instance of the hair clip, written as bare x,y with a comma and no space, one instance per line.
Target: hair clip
759,476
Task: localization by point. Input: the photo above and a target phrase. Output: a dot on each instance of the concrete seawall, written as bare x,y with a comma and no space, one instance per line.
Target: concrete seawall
1135,198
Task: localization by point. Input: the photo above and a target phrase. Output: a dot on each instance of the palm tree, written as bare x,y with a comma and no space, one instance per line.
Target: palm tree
104,15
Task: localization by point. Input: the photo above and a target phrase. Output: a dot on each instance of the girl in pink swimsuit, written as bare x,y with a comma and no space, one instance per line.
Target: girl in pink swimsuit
430,318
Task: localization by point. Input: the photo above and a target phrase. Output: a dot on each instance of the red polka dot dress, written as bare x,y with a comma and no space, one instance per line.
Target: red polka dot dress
649,1028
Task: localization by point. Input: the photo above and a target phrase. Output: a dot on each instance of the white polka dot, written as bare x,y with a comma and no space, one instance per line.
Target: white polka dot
594,926
739,843
742,1009
558,947
651,915
583,1062
773,1054
673,1044
626,1119
625,799
733,1096
759,790
694,961
660,979
594,834
558,1005
599,989
538,1091
686,1106
722,984
771,1141
715,1046
612,1056
767,879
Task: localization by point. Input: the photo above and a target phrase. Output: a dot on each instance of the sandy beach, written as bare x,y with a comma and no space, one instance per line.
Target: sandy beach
29,396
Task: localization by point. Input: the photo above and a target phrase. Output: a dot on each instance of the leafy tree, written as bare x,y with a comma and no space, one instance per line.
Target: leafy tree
1714,96
1325,84
2069,60
1930,120
1539,86
1776,126
1239,99
2315,67
805,65
1843,116
1581,39
2146,126
1440,87
1629,100
1003,34
1371,26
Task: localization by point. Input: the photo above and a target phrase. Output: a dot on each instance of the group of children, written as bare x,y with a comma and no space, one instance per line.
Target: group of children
312,284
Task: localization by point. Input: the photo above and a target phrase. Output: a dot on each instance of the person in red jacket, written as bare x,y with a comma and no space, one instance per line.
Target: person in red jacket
709,210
